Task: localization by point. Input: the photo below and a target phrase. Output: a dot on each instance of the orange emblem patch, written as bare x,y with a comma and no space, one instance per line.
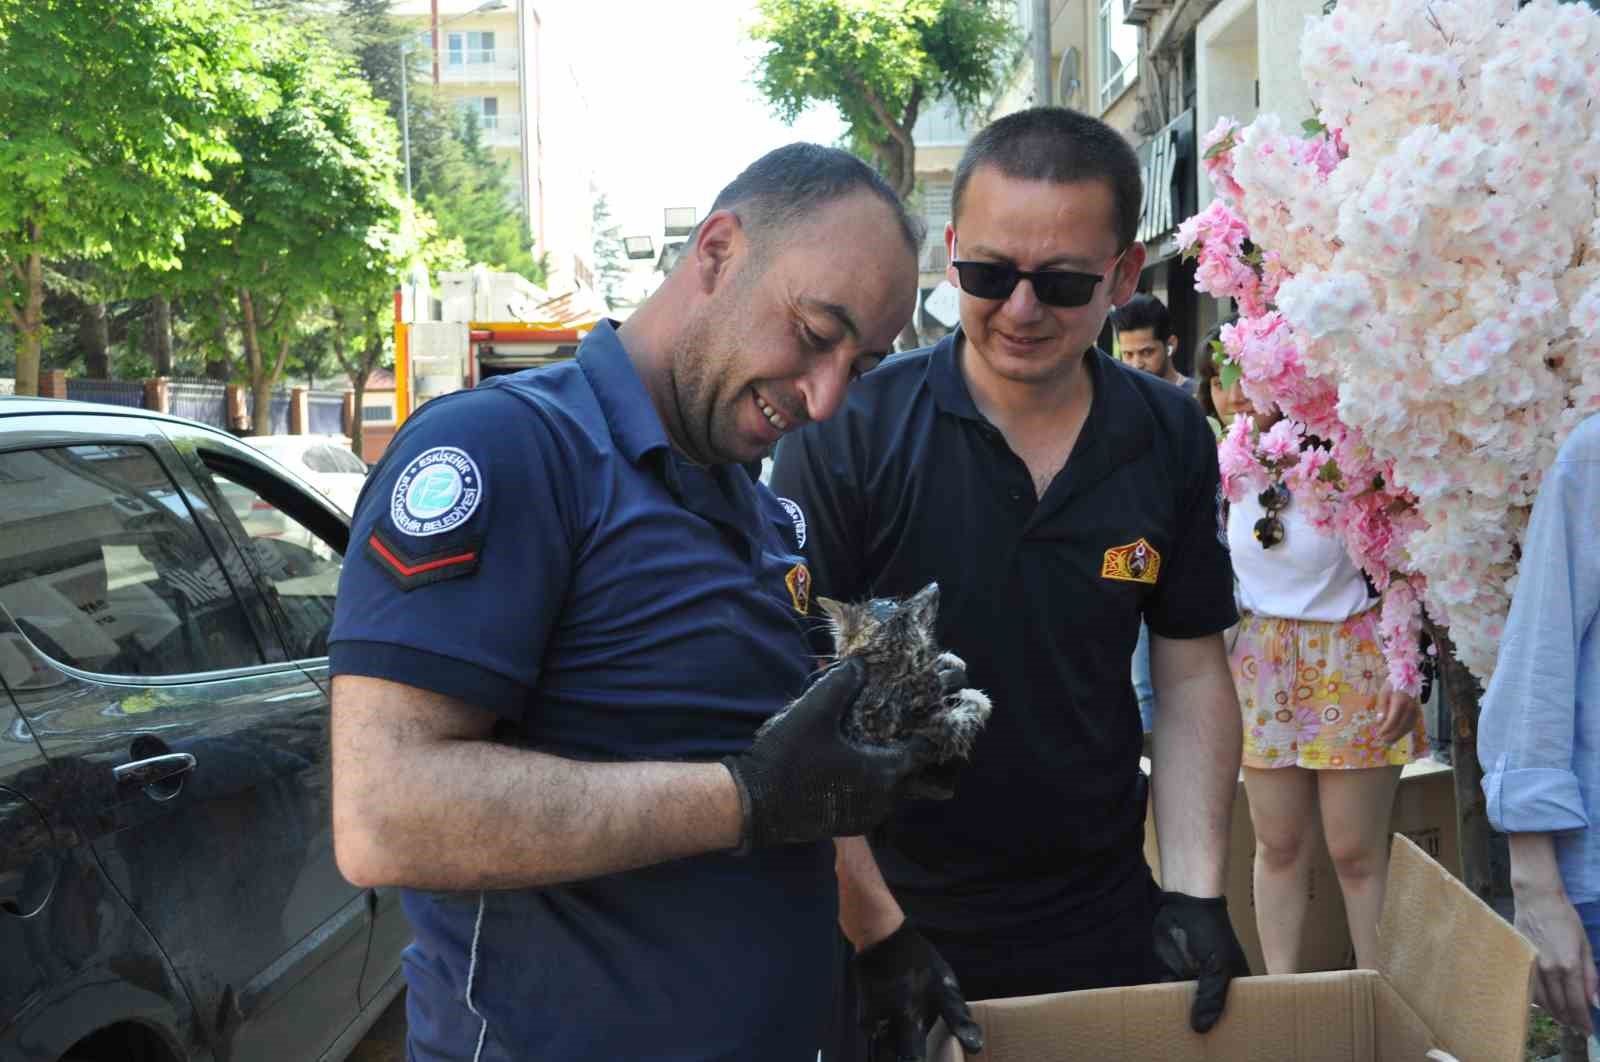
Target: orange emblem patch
799,583
1137,562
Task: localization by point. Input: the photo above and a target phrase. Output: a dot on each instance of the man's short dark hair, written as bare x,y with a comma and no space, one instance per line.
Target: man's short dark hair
1060,146
1143,311
788,185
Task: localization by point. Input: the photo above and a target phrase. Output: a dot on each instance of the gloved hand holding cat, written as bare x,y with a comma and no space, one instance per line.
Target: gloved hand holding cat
890,721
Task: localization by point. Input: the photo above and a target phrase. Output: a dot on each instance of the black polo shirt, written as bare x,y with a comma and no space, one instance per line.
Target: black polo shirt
1042,599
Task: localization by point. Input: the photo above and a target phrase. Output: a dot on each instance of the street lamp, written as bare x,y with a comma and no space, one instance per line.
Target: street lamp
679,221
639,246
405,77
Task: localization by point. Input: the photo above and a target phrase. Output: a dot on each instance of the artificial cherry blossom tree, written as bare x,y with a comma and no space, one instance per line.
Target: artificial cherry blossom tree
1417,272
1418,277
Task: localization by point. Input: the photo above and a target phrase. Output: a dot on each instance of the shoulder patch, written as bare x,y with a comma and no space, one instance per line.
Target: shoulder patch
411,570
799,583
436,492
799,520
1137,562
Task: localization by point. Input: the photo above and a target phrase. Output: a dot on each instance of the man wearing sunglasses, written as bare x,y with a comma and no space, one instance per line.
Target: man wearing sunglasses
1058,497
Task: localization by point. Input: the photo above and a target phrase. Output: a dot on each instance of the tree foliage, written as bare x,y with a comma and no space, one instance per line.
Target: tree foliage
610,253
318,215
458,179
112,115
879,62
467,190
209,185
360,330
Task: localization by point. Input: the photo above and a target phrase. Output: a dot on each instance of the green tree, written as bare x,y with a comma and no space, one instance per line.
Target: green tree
361,325
465,188
370,35
459,181
879,62
112,114
610,253
318,213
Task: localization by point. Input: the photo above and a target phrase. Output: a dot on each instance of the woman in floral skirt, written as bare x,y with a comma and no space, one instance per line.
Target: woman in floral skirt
1324,734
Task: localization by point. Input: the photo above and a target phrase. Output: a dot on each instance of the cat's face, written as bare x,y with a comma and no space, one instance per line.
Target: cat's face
882,622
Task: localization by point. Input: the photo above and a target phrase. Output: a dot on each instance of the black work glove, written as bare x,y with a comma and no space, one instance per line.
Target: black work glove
803,780
902,986
1194,940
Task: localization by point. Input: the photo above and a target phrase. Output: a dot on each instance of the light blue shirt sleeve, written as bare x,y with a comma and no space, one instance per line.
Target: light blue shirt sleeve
1539,731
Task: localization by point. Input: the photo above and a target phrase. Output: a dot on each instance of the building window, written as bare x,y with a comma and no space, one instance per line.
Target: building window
485,110
935,215
471,48
105,568
1119,52
377,414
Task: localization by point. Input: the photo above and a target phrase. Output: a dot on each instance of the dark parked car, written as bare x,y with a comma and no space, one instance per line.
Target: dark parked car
167,883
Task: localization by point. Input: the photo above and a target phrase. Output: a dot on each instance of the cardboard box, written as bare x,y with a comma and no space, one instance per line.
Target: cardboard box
1424,811
1453,983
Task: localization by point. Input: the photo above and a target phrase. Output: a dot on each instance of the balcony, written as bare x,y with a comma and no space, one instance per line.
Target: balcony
478,66
1139,12
503,130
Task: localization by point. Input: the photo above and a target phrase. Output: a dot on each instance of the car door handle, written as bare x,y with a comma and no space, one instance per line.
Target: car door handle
152,769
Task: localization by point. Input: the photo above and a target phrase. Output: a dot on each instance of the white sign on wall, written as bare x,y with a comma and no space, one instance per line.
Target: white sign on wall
943,304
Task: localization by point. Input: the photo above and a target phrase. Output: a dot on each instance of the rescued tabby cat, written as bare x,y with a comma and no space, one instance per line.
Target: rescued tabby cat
893,638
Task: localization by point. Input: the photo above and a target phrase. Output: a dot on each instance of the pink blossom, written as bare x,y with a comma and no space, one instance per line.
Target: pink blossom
1241,471
1281,443
1427,297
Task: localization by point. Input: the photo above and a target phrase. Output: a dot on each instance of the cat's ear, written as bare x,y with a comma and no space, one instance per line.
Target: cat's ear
924,605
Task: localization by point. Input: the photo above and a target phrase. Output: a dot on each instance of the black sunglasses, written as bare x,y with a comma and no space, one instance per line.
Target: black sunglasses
1269,529
1053,287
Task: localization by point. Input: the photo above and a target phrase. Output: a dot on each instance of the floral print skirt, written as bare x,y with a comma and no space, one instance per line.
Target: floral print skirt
1309,693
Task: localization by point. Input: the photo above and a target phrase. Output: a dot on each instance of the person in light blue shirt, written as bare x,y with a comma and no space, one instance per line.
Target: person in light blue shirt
1539,733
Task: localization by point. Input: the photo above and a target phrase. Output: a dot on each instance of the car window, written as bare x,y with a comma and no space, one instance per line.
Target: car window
103,568
327,457
347,461
321,458
300,567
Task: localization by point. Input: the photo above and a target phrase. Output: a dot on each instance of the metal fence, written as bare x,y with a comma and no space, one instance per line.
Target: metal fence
202,400
278,411
206,401
107,392
325,412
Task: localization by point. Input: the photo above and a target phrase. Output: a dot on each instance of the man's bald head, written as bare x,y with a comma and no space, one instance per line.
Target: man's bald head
780,191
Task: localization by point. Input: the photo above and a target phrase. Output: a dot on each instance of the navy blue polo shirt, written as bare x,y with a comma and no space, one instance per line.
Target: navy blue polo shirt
534,547
1041,598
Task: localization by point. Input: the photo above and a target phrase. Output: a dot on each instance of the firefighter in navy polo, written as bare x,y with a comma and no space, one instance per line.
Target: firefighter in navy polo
565,611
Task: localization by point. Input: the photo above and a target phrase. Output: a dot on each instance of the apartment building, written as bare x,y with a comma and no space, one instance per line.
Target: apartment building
940,135
500,62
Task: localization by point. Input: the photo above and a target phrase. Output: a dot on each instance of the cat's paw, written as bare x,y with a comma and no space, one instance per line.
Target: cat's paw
959,721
